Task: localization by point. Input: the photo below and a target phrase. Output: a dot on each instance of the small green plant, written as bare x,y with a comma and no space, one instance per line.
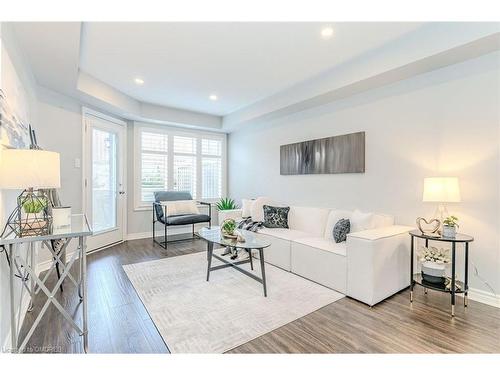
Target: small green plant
228,226
226,204
34,206
451,221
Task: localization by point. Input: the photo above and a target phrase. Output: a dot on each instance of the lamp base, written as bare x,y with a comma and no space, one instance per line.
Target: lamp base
441,213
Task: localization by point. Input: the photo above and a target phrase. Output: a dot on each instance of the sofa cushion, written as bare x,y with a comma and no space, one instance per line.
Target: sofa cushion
311,220
341,229
246,208
333,217
286,234
380,220
257,209
275,217
186,219
186,207
362,221
324,244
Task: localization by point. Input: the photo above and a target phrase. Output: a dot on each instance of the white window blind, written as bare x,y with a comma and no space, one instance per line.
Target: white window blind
154,164
190,162
211,168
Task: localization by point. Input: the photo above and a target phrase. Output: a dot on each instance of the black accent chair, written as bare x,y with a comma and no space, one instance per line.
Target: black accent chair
173,220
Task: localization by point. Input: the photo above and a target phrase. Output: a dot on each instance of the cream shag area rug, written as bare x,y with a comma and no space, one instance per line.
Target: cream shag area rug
196,316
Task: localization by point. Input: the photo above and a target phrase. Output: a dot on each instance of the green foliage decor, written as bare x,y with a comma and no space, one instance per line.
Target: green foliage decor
226,204
34,206
228,226
451,221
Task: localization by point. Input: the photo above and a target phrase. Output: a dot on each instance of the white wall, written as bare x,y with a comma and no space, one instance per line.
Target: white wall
445,122
59,129
18,85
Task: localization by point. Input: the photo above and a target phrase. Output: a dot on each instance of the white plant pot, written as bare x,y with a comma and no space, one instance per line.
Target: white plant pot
449,232
434,269
433,272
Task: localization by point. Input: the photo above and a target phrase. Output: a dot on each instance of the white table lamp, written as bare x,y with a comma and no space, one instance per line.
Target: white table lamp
441,190
30,170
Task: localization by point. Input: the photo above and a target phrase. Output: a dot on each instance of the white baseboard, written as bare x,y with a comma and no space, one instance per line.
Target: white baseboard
139,236
482,296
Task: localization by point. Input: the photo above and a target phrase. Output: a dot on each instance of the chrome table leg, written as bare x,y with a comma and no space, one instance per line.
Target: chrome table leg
13,328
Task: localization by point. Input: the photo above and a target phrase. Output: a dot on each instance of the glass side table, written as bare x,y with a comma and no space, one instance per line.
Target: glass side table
78,229
452,285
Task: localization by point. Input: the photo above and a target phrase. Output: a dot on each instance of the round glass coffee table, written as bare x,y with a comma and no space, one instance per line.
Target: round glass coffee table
252,242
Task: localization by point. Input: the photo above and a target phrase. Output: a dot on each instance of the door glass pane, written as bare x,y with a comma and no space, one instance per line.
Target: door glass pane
104,175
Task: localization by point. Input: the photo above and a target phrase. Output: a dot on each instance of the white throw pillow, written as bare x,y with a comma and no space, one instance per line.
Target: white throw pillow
179,208
257,208
361,221
246,208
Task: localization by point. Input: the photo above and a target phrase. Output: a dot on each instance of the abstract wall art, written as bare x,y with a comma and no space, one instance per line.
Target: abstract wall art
338,154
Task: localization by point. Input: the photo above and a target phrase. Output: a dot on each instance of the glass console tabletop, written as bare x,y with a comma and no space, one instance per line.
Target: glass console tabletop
79,227
251,240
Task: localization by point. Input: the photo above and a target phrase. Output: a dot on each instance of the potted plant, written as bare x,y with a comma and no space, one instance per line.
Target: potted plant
434,263
227,228
226,204
33,214
450,225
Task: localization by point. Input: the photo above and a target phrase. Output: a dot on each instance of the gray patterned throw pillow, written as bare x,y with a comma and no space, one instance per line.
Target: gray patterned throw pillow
341,229
275,217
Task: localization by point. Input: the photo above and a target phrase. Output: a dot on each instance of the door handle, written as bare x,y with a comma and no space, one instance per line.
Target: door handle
121,192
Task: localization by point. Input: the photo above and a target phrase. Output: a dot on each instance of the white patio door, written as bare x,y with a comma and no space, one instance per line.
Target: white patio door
104,170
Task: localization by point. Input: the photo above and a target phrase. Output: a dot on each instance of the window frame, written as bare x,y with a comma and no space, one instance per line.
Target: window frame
171,132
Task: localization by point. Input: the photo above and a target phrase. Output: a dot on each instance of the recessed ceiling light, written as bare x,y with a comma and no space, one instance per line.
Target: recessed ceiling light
213,97
327,32
139,81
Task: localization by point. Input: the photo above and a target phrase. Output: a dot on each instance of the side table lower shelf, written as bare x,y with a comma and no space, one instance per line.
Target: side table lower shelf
446,287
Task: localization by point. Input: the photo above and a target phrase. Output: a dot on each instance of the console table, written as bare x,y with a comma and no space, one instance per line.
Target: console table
451,285
31,282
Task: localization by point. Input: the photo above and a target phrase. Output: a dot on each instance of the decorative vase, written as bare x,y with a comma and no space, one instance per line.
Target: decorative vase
434,272
449,232
61,217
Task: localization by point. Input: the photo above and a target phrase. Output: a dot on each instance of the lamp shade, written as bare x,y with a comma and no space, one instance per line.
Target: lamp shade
21,169
441,189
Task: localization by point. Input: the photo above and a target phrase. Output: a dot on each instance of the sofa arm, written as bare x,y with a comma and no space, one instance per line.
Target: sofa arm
378,263
230,214
379,233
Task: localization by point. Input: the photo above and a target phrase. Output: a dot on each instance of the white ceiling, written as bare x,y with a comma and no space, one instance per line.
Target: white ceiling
183,63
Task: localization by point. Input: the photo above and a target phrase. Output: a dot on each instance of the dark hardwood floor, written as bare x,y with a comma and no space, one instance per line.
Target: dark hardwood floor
119,323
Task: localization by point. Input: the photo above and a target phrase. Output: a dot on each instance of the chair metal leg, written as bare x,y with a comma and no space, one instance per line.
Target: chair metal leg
166,236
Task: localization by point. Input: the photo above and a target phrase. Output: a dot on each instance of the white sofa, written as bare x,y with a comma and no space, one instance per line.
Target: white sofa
370,266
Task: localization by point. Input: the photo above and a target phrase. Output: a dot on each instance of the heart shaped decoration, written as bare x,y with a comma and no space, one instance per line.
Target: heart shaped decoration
431,226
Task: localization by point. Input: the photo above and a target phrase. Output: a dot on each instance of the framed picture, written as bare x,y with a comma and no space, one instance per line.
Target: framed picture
14,133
